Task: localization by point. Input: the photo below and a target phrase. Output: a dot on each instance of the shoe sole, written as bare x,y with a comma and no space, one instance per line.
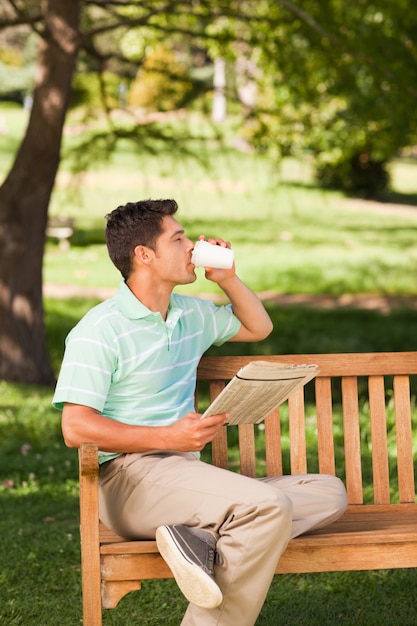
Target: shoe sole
197,586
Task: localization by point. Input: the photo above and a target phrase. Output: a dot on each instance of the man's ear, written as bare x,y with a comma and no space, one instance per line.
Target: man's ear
143,254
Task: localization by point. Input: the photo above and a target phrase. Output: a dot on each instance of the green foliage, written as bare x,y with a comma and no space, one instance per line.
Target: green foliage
338,83
92,89
349,153
334,80
161,83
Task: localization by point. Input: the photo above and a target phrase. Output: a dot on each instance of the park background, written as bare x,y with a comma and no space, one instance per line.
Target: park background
336,268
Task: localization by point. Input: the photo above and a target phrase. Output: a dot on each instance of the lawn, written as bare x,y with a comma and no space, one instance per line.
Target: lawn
289,237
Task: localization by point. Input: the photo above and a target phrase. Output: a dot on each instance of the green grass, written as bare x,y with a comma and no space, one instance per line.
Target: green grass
288,237
314,250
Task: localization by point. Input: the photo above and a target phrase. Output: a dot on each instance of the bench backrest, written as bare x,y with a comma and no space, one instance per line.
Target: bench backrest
354,421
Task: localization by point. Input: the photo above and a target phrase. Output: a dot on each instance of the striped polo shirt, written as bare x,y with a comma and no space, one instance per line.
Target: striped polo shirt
125,361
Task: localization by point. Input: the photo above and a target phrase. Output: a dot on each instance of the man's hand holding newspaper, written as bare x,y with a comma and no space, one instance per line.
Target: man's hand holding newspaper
258,388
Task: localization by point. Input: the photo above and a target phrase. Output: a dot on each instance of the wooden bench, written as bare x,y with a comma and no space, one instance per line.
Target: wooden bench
358,423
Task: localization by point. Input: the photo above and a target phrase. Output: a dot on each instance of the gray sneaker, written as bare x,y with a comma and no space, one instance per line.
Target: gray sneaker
190,554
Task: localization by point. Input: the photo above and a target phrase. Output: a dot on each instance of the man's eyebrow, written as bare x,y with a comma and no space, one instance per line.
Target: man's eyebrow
180,231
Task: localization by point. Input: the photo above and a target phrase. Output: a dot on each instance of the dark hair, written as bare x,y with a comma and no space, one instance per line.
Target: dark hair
135,224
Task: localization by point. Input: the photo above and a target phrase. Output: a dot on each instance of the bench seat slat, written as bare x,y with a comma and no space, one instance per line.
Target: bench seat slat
301,556
360,524
347,533
352,543
336,558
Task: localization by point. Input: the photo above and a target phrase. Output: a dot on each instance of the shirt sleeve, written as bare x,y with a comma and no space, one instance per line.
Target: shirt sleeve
87,368
225,323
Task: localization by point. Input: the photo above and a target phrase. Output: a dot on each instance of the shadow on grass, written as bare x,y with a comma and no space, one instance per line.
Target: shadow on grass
397,197
297,330
389,196
306,330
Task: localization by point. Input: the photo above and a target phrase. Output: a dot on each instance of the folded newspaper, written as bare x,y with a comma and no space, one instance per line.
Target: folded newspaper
258,388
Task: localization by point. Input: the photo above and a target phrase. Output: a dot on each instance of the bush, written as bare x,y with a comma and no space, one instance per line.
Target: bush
359,174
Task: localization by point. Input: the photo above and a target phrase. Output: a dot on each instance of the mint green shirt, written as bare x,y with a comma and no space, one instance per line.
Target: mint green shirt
129,364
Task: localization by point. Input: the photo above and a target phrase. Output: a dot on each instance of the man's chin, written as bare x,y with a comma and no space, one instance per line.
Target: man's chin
190,278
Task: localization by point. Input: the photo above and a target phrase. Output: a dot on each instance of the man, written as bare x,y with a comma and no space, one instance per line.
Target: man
127,382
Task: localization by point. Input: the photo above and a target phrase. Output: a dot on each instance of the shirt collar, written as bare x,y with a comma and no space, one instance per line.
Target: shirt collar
133,308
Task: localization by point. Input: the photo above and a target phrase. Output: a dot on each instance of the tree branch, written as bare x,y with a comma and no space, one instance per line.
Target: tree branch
15,16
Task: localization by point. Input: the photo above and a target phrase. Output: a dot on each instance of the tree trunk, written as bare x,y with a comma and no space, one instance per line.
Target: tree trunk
24,200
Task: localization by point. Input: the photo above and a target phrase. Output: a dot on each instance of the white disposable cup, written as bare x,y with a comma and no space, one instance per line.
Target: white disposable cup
206,254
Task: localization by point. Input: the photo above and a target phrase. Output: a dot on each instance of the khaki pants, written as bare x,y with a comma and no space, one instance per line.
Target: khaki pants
253,519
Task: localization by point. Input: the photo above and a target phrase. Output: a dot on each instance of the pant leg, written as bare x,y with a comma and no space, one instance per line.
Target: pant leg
317,499
251,519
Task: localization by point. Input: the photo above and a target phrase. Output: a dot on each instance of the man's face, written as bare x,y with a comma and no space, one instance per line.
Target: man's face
173,254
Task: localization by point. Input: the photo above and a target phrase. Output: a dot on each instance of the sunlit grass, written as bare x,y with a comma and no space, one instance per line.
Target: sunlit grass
286,238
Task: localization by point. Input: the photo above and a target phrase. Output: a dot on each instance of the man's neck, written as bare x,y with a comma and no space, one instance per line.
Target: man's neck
155,298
